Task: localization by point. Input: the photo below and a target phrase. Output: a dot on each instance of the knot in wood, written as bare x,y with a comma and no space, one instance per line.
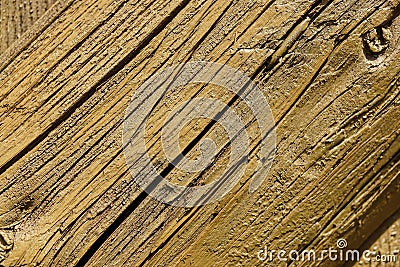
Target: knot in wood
376,41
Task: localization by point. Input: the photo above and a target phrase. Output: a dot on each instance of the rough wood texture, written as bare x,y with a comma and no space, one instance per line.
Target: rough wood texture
385,241
17,16
329,70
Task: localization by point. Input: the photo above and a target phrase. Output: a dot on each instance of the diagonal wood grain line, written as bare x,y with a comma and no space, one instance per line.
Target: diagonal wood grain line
17,17
385,240
267,64
80,164
33,32
89,93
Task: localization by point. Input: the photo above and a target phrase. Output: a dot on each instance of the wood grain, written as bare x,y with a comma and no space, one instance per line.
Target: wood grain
332,82
17,16
384,241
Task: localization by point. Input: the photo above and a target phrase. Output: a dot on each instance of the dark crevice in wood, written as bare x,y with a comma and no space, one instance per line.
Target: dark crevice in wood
129,57
395,158
96,245
378,233
8,59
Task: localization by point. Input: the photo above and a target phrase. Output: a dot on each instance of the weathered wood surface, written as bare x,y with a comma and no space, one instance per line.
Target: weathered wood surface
329,70
385,241
17,16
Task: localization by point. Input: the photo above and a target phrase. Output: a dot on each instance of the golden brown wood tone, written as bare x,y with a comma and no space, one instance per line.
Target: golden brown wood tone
385,241
329,69
17,16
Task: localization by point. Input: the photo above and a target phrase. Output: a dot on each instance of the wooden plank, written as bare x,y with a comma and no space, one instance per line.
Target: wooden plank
68,196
